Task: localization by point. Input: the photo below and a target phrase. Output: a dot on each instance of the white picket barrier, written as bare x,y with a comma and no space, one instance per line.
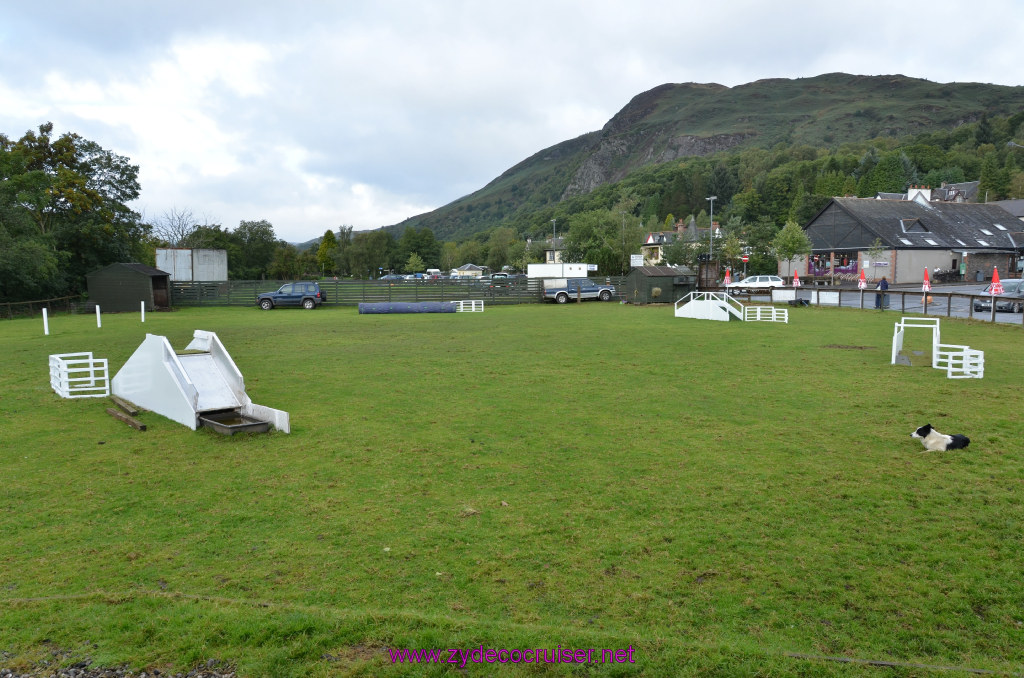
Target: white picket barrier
469,306
959,362
79,375
765,314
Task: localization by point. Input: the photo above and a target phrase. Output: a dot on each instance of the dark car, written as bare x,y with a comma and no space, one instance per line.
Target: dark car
1011,300
304,294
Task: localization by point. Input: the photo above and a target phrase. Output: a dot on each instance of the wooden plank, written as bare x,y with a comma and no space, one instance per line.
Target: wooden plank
125,406
131,421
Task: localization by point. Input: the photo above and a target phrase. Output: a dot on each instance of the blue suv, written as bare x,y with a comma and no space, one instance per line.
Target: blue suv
304,294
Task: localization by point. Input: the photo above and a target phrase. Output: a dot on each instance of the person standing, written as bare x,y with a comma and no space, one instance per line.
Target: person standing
882,287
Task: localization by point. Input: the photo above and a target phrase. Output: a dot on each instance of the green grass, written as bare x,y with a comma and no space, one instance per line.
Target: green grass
717,495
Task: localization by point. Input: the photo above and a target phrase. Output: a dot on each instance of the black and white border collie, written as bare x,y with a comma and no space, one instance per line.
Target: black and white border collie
933,440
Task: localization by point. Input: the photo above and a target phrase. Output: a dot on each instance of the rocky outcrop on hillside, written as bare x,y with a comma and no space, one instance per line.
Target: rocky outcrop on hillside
610,161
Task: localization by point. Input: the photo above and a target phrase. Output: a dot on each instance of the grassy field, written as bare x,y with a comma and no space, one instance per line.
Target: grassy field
724,498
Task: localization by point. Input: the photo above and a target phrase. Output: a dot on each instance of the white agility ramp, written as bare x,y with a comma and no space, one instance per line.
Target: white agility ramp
193,388
722,306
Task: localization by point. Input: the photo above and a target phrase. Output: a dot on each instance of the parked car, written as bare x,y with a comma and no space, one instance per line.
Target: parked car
756,282
304,294
564,290
1010,301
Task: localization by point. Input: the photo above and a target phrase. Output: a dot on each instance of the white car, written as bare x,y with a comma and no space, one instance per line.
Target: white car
756,282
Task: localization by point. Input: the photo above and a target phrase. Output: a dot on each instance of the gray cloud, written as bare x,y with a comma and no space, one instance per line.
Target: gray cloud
318,114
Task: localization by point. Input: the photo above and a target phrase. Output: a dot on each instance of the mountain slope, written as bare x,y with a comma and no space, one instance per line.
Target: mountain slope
674,121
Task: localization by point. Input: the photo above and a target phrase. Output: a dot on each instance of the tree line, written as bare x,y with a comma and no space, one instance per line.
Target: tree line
64,211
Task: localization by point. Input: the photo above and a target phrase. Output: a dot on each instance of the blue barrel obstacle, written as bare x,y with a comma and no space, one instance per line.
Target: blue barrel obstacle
409,307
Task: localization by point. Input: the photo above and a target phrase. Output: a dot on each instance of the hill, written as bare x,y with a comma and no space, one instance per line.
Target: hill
676,121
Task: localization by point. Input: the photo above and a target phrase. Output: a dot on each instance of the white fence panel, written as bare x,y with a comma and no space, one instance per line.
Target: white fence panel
79,375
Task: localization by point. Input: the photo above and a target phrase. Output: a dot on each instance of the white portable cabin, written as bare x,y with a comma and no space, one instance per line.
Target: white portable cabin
557,270
186,386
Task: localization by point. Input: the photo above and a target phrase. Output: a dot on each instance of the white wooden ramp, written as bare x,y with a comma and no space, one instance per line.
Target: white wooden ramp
185,386
721,306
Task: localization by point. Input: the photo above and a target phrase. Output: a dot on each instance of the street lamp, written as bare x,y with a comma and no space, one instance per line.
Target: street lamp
622,261
711,230
554,252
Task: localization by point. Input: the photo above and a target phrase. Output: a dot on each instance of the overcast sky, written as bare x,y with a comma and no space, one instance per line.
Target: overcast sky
323,113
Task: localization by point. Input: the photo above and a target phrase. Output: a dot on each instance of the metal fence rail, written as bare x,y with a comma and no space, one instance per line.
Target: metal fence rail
934,303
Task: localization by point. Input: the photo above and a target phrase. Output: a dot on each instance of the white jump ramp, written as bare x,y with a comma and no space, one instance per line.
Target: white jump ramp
194,388
721,306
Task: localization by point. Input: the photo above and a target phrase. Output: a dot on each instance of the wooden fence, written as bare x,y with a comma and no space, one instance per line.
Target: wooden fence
353,292
18,309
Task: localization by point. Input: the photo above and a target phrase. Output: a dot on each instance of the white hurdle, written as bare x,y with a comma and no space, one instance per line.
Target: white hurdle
768,314
79,375
469,306
959,362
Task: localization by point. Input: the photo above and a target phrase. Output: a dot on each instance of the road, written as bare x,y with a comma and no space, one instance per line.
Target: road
911,301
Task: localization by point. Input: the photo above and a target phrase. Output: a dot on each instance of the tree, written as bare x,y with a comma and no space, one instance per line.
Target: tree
370,253
498,246
684,252
178,228
28,269
414,264
995,180
285,264
791,241
70,196
257,248
325,253
449,255
340,253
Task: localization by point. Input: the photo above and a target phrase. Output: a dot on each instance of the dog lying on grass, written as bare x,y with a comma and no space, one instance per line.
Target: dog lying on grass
935,441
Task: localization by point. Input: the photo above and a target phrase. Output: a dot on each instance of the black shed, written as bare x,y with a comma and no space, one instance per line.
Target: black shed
120,287
658,284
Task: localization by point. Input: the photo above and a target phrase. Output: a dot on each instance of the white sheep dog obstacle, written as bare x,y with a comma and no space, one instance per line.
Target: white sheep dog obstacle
79,375
721,306
959,362
185,386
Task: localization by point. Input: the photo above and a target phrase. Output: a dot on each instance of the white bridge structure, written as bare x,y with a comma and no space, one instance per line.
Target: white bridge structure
192,386
959,362
721,306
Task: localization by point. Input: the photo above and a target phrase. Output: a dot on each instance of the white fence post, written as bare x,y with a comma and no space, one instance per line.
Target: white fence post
99,323
46,324
142,310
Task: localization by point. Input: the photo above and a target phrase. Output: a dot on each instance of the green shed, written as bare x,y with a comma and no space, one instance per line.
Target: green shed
658,284
121,287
